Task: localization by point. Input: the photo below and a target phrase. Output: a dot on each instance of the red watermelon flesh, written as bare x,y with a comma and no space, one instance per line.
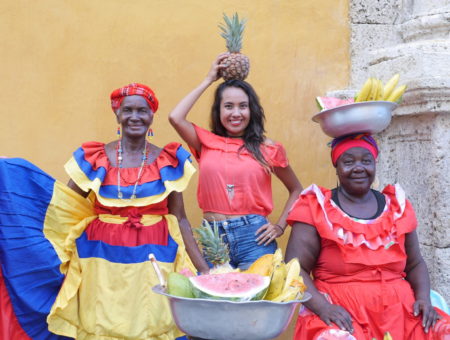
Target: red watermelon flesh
230,286
326,103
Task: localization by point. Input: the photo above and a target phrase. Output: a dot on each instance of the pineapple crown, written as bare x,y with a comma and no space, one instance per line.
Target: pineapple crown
232,32
214,248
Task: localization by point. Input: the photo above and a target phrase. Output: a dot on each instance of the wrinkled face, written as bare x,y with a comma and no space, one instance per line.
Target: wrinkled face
234,111
356,170
135,116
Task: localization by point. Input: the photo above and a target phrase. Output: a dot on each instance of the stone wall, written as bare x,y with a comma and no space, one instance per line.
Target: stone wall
412,37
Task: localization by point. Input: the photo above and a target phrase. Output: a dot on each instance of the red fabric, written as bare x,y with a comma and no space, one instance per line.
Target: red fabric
343,146
368,283
131,233
9,325
134,89
222,162
95,154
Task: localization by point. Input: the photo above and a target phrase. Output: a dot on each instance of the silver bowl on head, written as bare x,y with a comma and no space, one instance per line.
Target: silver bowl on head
225,320
371,117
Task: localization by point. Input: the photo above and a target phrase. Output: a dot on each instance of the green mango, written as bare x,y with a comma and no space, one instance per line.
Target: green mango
179,285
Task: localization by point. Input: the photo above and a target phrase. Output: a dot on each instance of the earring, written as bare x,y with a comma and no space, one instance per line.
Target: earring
118,131
150,133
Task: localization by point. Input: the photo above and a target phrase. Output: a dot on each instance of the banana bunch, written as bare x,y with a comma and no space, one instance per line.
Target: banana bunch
286,284
373,89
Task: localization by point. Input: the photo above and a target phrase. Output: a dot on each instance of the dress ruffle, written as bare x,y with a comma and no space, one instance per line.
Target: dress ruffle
315,207
274,154
91,170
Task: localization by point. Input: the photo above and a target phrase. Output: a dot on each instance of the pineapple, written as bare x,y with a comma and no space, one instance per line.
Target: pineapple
238,65
214,248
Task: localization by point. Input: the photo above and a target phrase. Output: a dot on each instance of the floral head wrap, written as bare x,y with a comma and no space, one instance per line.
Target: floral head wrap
363,140
134,89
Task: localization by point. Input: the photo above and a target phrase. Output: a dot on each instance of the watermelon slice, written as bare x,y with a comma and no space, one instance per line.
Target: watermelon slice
230,286
326,103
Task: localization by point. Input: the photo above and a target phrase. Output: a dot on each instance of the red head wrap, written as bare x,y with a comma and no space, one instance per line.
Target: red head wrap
134,89
342,144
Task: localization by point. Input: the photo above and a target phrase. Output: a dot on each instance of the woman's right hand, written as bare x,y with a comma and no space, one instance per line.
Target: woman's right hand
214,71
330,313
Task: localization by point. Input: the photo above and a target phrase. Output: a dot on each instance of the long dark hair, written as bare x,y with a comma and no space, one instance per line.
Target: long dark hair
254,133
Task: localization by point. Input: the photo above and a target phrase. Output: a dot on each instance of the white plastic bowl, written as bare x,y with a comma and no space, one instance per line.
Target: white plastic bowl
226,320
371,117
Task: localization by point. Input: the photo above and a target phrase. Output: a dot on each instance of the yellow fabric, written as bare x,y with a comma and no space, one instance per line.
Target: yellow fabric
121,285
79,177
82,309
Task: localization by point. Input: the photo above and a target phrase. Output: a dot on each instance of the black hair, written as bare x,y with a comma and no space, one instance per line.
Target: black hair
254,133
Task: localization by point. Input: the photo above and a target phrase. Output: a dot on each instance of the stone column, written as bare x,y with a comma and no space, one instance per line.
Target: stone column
412,37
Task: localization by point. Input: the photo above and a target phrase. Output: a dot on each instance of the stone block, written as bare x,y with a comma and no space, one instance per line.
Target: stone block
375,12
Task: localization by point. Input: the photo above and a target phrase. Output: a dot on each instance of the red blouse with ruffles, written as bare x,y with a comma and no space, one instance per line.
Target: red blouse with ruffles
361,266
222,163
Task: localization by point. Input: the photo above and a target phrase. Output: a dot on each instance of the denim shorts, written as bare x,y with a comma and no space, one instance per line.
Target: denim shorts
239,234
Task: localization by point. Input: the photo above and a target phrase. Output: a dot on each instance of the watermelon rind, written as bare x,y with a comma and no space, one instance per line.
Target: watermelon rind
255,292
326,103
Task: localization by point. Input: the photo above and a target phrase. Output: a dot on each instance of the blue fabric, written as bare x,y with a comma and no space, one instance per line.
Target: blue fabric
123,254
30,265
239,234
153,188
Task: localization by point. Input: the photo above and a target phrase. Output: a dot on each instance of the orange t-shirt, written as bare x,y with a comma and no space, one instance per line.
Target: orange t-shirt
231,180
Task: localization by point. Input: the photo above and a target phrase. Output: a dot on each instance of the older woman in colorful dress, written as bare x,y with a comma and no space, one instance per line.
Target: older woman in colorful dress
90,277
361,247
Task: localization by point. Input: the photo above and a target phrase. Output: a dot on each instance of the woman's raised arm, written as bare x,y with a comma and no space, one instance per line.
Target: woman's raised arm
178,115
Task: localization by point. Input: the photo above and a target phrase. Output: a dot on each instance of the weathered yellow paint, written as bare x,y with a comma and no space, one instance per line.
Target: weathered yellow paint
60,59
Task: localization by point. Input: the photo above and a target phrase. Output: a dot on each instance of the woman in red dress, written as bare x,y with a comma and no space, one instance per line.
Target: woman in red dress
361,247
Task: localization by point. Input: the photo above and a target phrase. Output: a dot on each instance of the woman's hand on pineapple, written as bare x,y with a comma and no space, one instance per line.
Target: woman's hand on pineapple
214,71
268,233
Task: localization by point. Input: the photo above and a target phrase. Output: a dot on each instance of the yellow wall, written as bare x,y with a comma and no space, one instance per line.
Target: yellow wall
60,59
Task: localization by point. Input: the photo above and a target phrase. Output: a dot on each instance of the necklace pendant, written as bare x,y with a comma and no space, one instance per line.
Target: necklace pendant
133,196
120,195
230,191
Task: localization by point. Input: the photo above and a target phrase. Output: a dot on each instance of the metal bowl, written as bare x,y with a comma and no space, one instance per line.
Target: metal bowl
225,320
370,117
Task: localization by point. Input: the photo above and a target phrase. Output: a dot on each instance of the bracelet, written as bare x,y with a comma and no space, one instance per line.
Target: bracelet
281,228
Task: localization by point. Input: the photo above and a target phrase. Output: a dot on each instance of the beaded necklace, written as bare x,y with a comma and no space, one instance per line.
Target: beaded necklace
119,163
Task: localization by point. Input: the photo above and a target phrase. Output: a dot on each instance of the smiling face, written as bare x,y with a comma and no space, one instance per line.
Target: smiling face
135,116
356,170
234,111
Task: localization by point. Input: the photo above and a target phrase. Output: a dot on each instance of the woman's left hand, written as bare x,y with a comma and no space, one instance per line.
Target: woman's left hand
429,314
268,233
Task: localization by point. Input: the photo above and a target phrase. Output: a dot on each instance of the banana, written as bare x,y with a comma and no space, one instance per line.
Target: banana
373,91
365,91
387,336
293,272
397,94
380,93
277,281
293,291
262,266
390,85
288,295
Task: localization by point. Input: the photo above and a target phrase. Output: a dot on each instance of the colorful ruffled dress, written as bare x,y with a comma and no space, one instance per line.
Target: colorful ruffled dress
361,267
79,267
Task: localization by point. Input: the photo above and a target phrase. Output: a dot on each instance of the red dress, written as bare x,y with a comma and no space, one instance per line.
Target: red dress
361,268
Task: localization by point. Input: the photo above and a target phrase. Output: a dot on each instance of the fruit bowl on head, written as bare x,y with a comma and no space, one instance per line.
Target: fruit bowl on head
225,320
362,117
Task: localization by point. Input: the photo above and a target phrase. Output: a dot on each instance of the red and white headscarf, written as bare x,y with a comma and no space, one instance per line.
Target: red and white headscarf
134,89
362,140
